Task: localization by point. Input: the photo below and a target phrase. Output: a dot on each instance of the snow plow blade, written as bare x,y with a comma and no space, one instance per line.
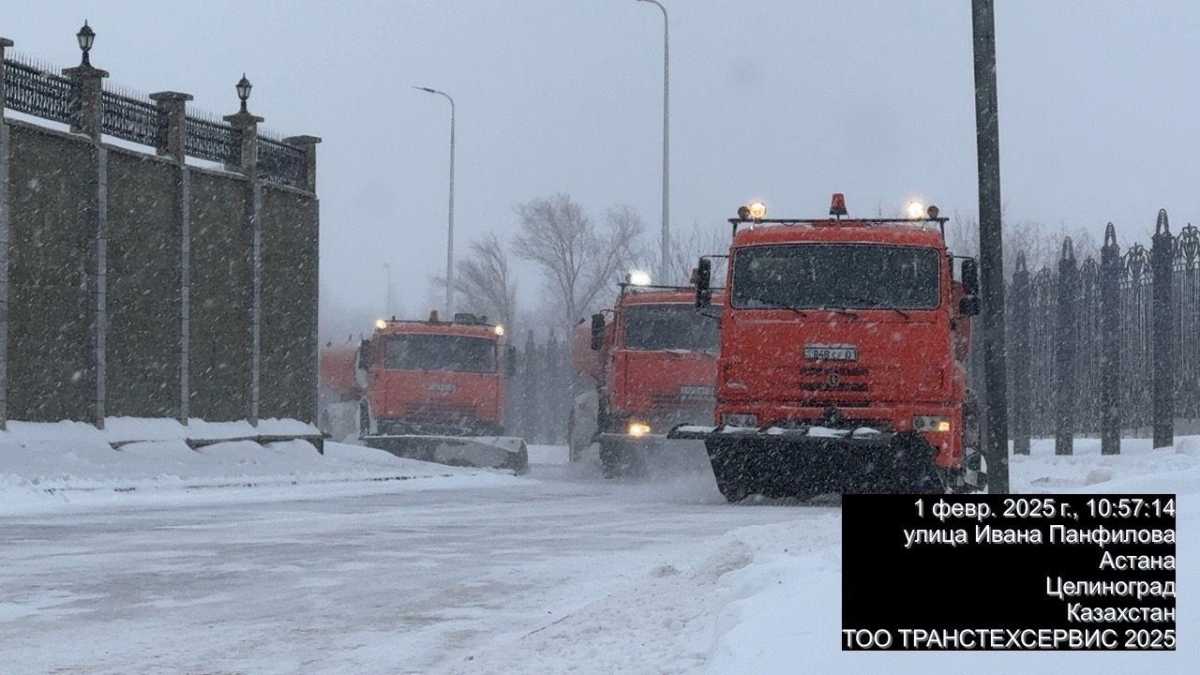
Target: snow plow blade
808,461
491,452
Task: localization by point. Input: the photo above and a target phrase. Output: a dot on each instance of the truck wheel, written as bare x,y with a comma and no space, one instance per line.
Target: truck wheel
364,419
612,458
620,459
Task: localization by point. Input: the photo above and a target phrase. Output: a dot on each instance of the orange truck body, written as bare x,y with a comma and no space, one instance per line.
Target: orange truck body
337,373
652,380
908,363
843,359
435,377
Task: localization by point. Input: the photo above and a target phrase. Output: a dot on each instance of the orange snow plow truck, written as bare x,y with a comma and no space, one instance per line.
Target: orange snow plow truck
435,390
652,361
843,354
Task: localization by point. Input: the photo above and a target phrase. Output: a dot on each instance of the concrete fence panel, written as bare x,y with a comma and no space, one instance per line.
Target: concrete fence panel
52,200
221,295
289,291
144,274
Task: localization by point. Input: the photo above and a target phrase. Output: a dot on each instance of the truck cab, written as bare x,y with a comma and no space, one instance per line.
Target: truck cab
843,341
653,362
434,377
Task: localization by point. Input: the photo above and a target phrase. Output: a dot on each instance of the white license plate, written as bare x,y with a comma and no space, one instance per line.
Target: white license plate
695,393
442,388
831,352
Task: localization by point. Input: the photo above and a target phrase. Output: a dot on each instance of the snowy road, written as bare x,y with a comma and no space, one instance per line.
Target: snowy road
558,572
381,583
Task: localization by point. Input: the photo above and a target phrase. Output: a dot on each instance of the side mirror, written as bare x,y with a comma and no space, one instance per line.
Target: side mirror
969,305
703,283
970,276
510,360
597,331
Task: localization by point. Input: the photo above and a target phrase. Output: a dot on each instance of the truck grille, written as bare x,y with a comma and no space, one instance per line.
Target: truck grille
439,411
672,401
833,385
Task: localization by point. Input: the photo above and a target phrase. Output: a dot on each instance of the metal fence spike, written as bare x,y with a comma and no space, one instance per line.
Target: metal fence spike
1162,226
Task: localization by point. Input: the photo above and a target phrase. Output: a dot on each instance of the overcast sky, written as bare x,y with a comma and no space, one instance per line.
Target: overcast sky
783,100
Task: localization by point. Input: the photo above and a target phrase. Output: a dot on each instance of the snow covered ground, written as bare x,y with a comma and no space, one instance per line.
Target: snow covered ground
71,465
556,572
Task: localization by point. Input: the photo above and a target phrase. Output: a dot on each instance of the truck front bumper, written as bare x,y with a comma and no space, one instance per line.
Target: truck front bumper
815,460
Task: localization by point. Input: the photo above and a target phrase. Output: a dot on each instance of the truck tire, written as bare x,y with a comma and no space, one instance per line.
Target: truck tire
620,459
610,458
365,423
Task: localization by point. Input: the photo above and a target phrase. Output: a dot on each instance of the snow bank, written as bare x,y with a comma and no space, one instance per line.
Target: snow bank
70,464
781,612
549,454
119,430
767,598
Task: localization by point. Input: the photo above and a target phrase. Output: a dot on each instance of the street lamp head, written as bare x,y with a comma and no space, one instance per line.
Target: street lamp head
426,89
243,90
86,38
657,4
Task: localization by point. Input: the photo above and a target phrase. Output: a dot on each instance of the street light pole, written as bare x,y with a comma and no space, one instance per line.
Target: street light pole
450,229
991,254
387,311
666,147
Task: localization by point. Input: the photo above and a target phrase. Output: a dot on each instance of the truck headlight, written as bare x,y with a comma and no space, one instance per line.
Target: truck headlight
936,423
739,420
638,429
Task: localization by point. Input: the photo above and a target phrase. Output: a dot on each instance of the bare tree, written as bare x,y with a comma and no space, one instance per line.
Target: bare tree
1040,244
687,248
485,282
577,259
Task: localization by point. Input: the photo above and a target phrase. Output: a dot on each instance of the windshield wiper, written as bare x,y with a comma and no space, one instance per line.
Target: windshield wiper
841,310
771,304
859,298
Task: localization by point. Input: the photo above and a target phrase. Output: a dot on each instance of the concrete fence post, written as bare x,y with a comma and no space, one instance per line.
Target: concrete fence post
4,244
172,123
245,126
89,99
172,141
88,120
309,145
1066,336
1110,343
1022,307
1162,343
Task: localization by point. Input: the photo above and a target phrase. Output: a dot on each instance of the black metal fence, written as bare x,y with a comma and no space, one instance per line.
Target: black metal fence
36,90
1097,347
540,395
43,91
136,283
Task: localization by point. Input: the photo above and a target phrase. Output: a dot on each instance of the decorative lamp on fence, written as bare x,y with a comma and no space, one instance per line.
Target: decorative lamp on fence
243,91
245,127
87,104
86,37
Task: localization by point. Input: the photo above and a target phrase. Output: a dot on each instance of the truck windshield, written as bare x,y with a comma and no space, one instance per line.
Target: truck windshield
858,276
440,352
675,326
